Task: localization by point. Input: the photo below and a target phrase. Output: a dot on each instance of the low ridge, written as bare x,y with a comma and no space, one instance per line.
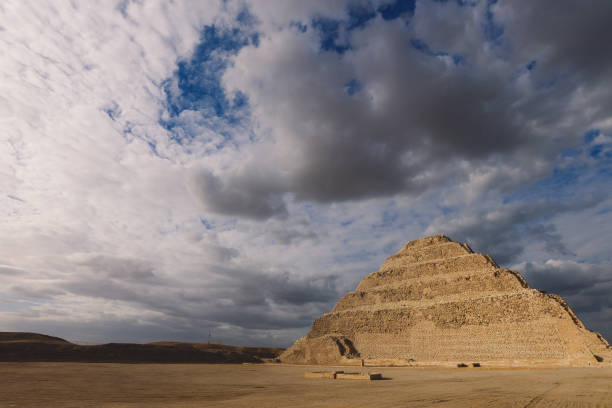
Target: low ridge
34,347
436,302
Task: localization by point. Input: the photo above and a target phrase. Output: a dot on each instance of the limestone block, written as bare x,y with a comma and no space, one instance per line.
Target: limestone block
322,374
360,376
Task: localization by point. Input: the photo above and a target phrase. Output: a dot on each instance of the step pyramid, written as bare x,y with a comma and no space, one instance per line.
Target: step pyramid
436,302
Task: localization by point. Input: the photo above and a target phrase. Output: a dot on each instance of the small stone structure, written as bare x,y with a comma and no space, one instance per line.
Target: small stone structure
322,374
436,302
341,375
359,376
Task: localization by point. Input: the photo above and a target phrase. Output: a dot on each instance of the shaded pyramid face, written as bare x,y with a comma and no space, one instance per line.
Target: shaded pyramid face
436,302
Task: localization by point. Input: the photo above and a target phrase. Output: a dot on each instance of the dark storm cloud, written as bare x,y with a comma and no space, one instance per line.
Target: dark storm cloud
552,240
286,290
241,195
252,299
254,288
221,295
287,235
585,286
418,113
566,277
567,42
505,231
564,35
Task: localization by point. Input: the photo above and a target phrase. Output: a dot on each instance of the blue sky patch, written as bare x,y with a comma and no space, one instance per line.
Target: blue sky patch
347,222
196,83
113,110
596,150
531,65
12,197
298,25
422,46
389,218
396,8
591,135
565,181
329,33
392,247
352,87
559,185
207,224
245,17
198,78
462,3
492,30
359,15
458,59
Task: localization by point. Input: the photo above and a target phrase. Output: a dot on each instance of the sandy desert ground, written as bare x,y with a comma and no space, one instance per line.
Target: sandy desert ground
208,385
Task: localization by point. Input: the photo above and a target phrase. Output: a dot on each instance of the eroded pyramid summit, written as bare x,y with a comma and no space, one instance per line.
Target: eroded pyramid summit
436,302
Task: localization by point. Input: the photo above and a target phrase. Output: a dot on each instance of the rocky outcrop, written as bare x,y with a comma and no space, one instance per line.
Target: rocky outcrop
436,302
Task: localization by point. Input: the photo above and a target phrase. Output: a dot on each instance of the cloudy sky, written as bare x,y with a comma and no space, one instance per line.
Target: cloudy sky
170,169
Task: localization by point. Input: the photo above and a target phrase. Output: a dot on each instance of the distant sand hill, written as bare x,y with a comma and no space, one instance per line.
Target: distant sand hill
436,302
39,347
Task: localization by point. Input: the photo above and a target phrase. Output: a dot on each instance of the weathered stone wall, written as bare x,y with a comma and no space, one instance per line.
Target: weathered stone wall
429,343
436,301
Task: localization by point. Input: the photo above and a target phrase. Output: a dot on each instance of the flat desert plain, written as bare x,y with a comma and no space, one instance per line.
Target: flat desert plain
267,385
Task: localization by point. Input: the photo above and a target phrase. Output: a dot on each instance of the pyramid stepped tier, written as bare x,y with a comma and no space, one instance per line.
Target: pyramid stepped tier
428,253
400,272
496,281
436,302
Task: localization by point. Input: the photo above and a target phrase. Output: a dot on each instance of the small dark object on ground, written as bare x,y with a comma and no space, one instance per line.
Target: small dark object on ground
461,365
598,358
475,364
